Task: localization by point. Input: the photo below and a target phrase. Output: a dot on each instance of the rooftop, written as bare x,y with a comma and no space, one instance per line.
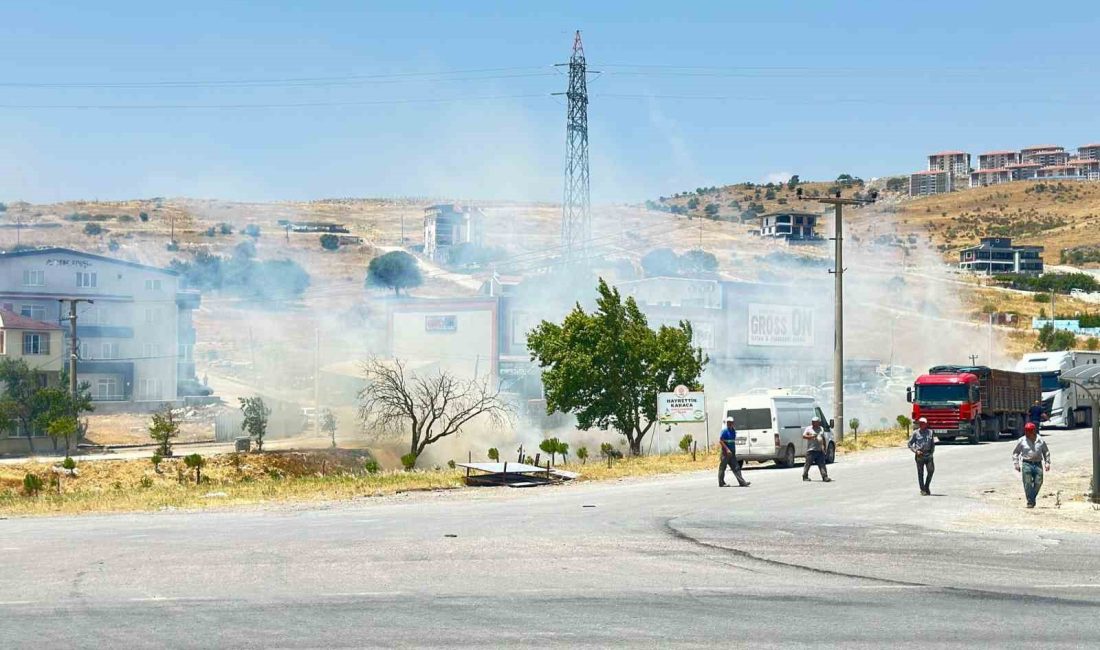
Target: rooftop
948,153
1044,147
1006,152
1089,146
996,170
10,320
57,250
926,172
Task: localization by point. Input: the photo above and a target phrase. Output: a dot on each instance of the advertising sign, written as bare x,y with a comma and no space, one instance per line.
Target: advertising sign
780,325
681,406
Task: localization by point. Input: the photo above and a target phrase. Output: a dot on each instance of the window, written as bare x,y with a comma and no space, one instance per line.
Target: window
753,419
109,350
36,343
33,312
85,280
150,389
151,350
107,389
152,315
34,278
152,285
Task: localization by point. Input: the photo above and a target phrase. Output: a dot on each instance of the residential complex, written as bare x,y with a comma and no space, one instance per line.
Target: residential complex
950,170
792,226
135,336
447,225
995,255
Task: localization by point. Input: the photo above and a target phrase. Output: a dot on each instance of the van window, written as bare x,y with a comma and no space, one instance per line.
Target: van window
751,418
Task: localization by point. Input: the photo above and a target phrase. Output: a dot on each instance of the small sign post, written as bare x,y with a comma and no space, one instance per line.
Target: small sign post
683,406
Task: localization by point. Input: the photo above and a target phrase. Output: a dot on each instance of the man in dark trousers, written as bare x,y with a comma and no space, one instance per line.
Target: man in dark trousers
922,444
814,435
1036,414
728,443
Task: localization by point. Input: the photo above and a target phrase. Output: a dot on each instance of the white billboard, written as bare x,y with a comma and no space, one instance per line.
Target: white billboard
681,406
780,325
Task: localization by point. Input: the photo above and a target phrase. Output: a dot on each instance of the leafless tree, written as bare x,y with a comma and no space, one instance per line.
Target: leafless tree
429,406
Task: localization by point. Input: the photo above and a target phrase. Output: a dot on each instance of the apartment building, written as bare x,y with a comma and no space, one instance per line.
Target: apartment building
1024,171
447,225
39,344
1063,172
135,334
1046,155
956,163
997,159
792,226
1089,152
993,176
995,255
927,183
1087,168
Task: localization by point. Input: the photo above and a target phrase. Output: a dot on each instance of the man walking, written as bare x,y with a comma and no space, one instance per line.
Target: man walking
922,444
814,436
1031,457
728,443
1036,414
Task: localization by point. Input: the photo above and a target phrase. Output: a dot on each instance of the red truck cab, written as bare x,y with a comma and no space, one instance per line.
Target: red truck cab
950,402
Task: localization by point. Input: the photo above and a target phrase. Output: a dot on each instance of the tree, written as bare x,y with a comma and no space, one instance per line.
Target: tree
582,455
195,462
55,404
396,270
698,261
93,229
162,429
693,203
1055,340
32,484
904,422
576,355
563,449
711,210
494,454
330,242
156,460
853,424
63,429
328,423
1092,343
252,230
20,405
661,261
427,406
550,446
255,419
792,183
685,443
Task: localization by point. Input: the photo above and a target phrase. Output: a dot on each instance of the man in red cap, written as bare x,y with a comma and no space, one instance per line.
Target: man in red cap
922,444
1031,457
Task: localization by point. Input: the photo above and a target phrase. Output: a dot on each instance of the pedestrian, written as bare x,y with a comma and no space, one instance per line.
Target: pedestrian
923,445
728,443
1031,457
1036,414
814,435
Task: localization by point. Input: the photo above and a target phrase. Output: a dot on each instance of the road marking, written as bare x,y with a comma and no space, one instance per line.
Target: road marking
1070,586
370,594
17,602
157,599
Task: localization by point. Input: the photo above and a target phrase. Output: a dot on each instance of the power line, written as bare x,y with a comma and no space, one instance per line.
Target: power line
379,102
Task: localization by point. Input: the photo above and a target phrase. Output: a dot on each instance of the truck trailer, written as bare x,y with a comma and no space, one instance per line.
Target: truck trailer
1066,406
973,402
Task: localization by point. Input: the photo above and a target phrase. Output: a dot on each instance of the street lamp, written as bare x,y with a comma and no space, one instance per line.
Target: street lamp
1087,378
838,204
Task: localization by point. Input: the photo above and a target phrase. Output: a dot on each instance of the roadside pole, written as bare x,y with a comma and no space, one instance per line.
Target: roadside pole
317,382
74,354
1094,416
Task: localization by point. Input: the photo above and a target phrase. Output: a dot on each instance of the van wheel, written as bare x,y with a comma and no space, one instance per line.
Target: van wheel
787,459
830,456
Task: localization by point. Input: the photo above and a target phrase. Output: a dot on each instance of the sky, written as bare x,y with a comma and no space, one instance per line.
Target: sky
301,100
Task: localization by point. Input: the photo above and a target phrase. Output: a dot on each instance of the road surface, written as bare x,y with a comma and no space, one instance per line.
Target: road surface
668,562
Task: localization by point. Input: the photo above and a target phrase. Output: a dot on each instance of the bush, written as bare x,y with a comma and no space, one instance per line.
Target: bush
93,229
157,459
32,484
195,462
68,464
225,228
1041,297
582,455
211,232
494,454
330,242
904,422
113,245
371,466
144,216
1053,340
408,461
173,246
252,230
1092,344
146,482
685,443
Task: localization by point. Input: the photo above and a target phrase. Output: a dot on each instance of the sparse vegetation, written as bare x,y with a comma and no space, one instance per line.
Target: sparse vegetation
255,419
163,429
396,270
330,242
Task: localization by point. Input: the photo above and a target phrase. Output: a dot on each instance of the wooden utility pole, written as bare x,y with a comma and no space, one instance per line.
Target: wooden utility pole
74,352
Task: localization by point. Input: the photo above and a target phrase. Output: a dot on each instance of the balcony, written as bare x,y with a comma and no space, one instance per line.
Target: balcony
188,299
104,332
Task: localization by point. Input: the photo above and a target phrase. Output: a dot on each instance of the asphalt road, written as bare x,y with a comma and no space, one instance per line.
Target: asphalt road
860,562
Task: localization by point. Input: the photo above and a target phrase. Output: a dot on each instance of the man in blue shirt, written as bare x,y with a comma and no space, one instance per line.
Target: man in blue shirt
728,443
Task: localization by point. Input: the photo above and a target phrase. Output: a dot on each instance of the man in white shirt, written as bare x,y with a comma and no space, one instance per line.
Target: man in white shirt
814,435
1031,457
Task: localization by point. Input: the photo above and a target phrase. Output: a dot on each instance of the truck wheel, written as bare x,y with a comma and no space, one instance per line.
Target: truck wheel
787,459
1071,419
976,432
830,456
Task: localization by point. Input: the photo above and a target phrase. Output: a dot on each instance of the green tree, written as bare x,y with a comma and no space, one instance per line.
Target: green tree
494,454
156,460
563,449
63,429
582,455
330,242
577,354
698,261
396,270
792,183
255,419
685,443
549,446
1055,340
711,210
54,404
853,424
163,429
693,203
195,462
20,404
904,422
661,261
328,424
93,229
32,484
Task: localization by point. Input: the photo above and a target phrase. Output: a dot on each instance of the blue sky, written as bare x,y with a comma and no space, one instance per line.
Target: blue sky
301,100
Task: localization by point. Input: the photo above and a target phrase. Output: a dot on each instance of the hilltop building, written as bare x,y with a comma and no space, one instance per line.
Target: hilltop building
990,176
135,340
995,255
447,225
792,226
949,170
955,163
1045,155
997,159
1088,152
927,183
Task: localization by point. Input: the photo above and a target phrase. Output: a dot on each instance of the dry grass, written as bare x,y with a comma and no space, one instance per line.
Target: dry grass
895,437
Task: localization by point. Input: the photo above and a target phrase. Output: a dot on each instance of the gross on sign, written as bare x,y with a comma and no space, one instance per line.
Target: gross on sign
780,325
682,406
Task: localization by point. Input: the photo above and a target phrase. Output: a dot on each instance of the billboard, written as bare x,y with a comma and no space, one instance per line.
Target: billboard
681,406
780,325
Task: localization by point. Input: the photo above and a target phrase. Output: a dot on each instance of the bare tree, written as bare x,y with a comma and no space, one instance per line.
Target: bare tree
429,406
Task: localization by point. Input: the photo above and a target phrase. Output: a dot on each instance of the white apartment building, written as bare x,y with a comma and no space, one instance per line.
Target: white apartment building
135,338
1089,152
927,183
1046,155
997,159
992,176
955,163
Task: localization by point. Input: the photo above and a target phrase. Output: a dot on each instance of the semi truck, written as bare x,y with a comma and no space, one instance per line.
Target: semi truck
973,402
1066,406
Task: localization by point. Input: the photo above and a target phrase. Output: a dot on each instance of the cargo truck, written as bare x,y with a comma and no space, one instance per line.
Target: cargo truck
973,402
1065,405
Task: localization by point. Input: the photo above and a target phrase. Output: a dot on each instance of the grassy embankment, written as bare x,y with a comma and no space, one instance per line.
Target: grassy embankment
288,477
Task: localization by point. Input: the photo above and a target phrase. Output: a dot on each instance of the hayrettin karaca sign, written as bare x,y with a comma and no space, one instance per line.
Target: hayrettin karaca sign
681,406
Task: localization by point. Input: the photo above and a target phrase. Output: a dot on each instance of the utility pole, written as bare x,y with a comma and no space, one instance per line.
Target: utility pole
74,350
989,359
576,217
317,382
973,359
838,204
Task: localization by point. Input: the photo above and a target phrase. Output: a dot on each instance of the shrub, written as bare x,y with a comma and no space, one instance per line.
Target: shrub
173,246
195,462
1092,344
685,443
125,218
93,229
32,484
252,230
904,422
146,482
68,464
113,245
144,216
494,454
330,242
211,231
371,466
451,463
582,454
225,228
156,460
408,461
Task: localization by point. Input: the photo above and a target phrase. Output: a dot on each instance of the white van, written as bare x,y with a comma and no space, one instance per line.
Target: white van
769,427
